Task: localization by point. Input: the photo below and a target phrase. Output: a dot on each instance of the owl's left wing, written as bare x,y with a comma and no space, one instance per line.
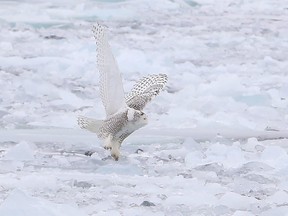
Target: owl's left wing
111,87
145,90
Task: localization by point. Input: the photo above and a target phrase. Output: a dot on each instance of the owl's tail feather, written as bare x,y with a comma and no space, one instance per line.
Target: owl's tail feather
90,124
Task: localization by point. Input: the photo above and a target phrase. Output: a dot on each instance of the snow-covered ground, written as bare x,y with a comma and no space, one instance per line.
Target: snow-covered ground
217,140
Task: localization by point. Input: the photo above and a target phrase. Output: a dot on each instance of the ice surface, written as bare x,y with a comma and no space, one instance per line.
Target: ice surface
242,213
20,204
216,142
120,169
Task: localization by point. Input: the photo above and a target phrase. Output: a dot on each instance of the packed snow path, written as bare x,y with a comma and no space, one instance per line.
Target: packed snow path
216,143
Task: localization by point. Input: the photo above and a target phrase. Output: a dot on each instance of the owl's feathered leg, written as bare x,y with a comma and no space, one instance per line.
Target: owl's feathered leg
113,145
115,150
107,143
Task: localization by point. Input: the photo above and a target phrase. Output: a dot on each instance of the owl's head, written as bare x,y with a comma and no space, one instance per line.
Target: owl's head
143,118
138,117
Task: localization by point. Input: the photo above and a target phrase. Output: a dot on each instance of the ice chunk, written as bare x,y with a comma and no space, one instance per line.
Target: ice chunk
82,184
192,3
147,203
279,198
132,60
229,156
21,152
8,165
278,98
190,144
224,85
282,210
194,158
254,100
251,144
109,212
198,199
197,195
275,156
263,112
236,201
20,204
242,213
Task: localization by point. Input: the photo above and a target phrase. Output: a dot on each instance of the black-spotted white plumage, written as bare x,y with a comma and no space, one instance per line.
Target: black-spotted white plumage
123,112
145,90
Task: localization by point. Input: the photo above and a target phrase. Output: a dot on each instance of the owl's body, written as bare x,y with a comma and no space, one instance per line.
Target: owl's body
115,129
123,113
121,126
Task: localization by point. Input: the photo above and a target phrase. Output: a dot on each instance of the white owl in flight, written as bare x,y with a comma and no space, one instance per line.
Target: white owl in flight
123,112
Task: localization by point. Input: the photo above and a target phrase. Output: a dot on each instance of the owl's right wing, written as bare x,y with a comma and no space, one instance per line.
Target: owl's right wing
145,90
111,86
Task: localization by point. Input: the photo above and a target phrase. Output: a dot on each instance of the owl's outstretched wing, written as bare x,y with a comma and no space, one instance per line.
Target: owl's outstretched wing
145,90
111,86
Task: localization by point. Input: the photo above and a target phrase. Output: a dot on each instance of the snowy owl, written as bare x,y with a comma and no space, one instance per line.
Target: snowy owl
124,113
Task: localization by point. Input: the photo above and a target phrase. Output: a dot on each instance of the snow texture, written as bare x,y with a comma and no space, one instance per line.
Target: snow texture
217,138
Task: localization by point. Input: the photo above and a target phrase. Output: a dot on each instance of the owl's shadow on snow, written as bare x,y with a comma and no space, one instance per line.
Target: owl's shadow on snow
105,163
125,156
